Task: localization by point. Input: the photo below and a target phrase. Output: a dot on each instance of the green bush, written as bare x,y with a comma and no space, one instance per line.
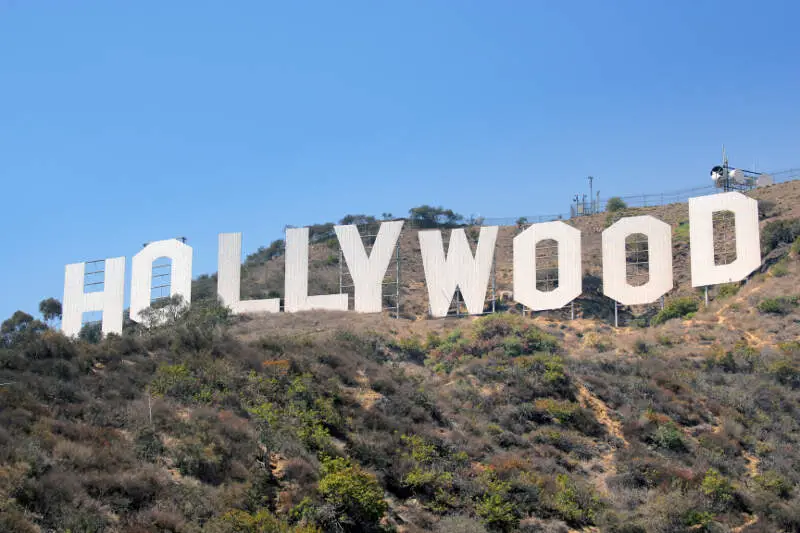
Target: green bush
773,482
499,335
262,521
676,308
717,487
727,290
355,494
698,520
494,508
669,437
176,381
431,474
782,305
682,231
779,232
786,371
780,269
576,505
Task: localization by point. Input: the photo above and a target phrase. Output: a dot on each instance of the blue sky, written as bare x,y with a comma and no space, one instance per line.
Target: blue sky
128,122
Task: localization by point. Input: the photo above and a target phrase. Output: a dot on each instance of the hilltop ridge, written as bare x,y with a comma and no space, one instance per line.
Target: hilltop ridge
264,278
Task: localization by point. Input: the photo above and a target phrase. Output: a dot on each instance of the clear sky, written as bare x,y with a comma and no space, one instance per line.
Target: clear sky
128,122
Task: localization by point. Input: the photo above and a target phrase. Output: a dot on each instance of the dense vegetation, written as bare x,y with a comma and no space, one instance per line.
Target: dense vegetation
495,426
503,423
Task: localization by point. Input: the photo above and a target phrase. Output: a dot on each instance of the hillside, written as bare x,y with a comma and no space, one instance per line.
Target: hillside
265,278
342,422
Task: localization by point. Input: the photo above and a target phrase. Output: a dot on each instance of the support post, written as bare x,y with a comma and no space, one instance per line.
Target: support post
572,310
706,298
494,284
341,272
397,284
616,314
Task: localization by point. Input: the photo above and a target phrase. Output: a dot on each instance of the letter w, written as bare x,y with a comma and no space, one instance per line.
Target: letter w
459,269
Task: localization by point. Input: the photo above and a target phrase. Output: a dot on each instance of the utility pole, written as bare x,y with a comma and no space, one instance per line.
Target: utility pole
591,194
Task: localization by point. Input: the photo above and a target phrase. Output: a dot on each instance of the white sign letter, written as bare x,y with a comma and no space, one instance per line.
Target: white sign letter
297,298
110,301
142,273
229,276
368,272
701,238
459,269
569,266
659,259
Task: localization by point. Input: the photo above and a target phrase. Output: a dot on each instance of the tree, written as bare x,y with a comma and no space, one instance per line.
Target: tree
164,312
20,326
358,220
50,309
426,216
616,203
387,216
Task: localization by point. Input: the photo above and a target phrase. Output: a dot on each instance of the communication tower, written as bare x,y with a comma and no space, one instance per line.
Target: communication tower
583,205
737,179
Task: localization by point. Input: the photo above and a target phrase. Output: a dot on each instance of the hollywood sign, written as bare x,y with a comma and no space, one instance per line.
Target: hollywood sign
444,270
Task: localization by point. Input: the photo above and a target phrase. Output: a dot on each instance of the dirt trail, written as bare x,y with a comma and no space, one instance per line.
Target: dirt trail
750,522
600,409
722,319
614,428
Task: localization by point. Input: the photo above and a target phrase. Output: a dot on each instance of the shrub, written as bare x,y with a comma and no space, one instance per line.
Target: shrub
174,380
727,290
669,437
782,305
780,269
779,232
698,520
206,461
412,348
494,508
91,332
786,371
262,521
682,231
665,340
356,495
717,487
576,505
676,308
428,475
789,347
641,347
459,524
773,482
599,343
501,335
264,254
